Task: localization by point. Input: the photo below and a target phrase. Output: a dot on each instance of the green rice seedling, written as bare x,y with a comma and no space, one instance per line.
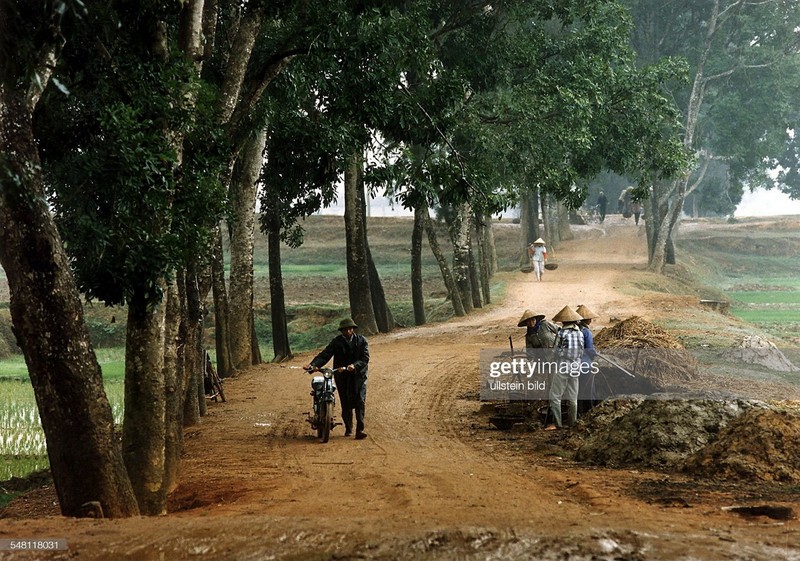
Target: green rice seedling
23,448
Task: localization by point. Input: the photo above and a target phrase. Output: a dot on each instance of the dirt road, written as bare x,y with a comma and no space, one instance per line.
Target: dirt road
433,479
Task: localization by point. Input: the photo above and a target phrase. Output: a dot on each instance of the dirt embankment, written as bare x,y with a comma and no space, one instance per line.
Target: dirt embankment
434,479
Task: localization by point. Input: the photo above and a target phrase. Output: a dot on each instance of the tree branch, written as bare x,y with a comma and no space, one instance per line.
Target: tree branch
460,18
706,161
42,74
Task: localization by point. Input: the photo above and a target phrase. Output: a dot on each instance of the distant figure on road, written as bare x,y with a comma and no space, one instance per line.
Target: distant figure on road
538,254
624,202
602,204
636,209
350,350
540,333
564,381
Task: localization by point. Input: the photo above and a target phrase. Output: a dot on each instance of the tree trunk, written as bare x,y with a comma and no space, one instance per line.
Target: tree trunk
447,277
564,230
474,279
483,227
357,261
85,458
460,238
546,231
191,404
144,427
527,216
665,223
243,192
383,314
221,314
417,296
529,223
243,32
173,387
280,329
669,252
197,360
255,350
491,246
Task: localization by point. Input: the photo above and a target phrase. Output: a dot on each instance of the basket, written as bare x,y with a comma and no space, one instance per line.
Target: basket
526,268
551,266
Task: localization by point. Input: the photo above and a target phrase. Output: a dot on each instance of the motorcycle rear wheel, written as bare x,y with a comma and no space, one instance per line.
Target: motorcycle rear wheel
325,420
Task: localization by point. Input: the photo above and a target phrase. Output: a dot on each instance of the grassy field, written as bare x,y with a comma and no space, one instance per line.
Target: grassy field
751,264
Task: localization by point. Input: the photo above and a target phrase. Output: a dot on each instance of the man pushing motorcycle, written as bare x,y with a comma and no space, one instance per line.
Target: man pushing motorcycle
350,351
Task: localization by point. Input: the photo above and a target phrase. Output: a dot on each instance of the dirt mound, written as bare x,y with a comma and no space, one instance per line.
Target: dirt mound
667,430
635,332
753,349
759,445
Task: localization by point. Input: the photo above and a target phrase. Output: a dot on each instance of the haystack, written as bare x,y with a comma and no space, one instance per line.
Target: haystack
635,333
648,352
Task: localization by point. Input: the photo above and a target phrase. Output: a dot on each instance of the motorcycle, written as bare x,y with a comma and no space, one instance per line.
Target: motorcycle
323,389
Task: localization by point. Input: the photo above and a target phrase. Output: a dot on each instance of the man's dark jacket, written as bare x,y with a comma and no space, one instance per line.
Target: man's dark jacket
344,353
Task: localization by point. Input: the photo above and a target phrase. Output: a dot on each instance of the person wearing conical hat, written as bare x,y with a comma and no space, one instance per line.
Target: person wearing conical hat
586,394
540,333
538,254
349,350
564,382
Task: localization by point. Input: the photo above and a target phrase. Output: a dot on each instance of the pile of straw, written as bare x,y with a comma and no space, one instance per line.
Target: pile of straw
635,333
648,352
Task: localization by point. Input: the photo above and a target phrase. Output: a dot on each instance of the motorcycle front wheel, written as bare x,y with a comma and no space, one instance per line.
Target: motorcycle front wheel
325,420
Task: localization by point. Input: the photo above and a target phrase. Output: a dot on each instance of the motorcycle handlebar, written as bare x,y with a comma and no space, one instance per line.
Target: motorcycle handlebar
323,369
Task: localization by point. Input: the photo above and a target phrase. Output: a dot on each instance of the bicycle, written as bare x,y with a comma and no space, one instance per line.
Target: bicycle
591,215
212,382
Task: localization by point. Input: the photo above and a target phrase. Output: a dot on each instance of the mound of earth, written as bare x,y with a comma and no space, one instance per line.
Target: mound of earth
660,433
759,445
753,349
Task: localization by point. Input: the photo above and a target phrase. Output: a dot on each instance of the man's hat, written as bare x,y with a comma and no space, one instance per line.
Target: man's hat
528,315
586,313
539,240
347,322
567,315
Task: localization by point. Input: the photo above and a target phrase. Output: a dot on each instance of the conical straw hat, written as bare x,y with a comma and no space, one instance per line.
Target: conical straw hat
586,313
566,315
539,240
528,315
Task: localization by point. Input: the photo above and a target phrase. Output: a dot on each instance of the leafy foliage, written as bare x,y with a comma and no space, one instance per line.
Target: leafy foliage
750,108
130,202
549,94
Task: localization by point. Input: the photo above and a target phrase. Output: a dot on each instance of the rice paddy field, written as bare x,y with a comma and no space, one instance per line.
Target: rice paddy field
756,263
22,443
774,307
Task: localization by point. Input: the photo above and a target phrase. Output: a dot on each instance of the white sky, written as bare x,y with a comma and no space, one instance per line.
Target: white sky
758,203
766,203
